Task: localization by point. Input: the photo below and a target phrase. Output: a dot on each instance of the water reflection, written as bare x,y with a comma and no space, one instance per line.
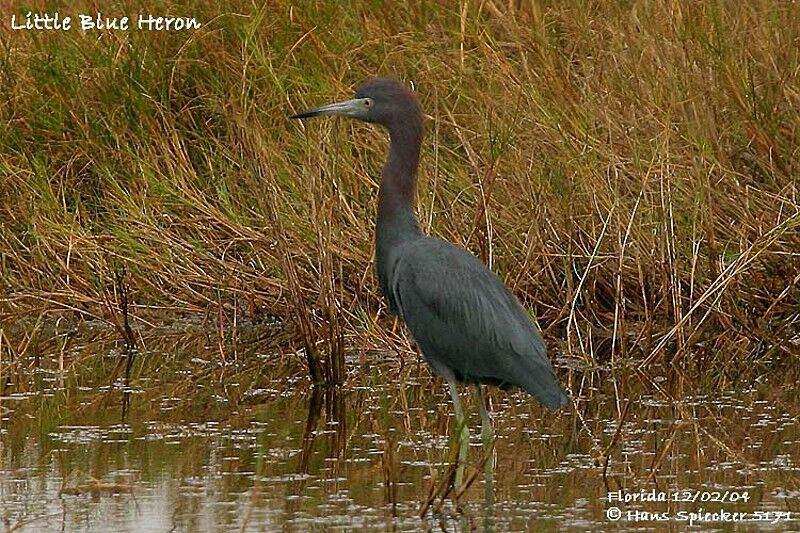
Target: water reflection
251,446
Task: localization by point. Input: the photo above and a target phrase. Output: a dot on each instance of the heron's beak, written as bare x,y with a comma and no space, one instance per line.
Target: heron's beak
348,108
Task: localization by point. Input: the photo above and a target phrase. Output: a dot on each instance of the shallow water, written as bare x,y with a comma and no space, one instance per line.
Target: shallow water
190,442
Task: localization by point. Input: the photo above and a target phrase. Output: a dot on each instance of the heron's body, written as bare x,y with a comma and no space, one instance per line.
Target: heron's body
467,323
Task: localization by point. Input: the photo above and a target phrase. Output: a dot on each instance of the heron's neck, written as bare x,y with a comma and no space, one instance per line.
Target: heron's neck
396,224
396,220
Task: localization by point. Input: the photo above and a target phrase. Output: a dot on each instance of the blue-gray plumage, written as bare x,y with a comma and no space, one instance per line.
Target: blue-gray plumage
467,323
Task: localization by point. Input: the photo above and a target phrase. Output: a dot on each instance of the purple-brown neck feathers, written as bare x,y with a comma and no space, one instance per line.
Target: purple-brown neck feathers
401,115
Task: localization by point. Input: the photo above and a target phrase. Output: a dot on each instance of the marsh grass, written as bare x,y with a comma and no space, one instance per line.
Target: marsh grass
629,169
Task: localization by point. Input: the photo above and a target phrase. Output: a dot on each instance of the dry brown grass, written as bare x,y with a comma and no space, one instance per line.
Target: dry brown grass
630,169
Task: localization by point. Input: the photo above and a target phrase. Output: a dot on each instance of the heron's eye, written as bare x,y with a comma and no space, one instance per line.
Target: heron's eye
368,102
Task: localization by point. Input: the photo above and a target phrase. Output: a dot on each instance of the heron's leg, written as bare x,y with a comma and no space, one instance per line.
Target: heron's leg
463,432
487,436
486,424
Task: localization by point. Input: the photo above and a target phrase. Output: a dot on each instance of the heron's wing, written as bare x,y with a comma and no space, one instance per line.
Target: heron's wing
464,318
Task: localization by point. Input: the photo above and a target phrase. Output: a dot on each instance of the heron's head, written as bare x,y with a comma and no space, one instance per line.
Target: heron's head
383,101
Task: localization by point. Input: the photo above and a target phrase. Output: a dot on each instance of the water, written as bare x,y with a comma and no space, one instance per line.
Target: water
194,442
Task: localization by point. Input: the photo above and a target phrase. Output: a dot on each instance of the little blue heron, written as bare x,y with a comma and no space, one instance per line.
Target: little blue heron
467,323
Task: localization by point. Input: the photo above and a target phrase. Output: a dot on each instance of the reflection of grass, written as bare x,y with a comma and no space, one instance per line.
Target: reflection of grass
637,169
251,431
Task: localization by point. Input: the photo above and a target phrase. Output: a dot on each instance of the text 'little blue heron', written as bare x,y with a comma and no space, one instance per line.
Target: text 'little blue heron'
467,323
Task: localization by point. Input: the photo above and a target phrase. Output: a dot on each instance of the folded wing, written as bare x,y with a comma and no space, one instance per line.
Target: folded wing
466,320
